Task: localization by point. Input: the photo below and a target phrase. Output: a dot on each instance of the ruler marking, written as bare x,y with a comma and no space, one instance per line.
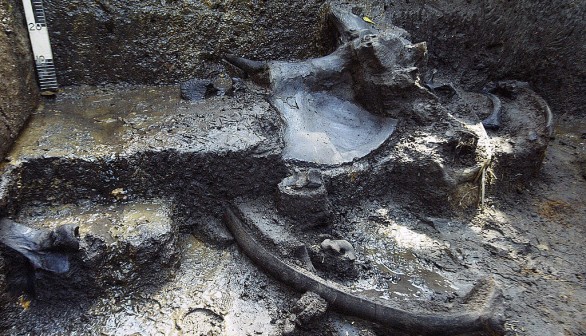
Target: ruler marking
41,45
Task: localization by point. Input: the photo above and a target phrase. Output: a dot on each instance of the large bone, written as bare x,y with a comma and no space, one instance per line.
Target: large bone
340,107
478,320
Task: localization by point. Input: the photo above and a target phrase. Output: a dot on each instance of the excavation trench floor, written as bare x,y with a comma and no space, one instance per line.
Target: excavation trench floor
89,122
530,240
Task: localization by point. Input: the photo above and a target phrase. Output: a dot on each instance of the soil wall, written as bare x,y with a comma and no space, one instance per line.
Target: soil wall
18,98
18,90
158,41
539,41
164,41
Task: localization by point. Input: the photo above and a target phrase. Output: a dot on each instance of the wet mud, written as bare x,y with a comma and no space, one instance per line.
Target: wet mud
404,256
436,206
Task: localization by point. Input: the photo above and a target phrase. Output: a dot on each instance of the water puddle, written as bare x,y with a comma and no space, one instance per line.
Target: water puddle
129,221
405,276
89,122
403,260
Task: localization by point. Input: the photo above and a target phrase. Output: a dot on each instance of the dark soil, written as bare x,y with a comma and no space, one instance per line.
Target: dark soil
417,247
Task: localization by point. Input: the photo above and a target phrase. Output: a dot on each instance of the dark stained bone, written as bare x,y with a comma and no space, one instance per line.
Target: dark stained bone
45,249
494,120
249,66
548,114
372,73
478,318
441,89
511,88
338,107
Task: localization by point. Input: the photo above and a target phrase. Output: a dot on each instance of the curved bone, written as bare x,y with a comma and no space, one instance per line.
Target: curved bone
515,87
493,120
247,65
548,114
341,300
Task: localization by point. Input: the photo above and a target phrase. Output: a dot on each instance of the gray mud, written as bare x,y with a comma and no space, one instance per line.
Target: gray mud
145,175
529,243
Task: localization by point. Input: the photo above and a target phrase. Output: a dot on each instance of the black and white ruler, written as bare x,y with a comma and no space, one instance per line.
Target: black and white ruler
39,35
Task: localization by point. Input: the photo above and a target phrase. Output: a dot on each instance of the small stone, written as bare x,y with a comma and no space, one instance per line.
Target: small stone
223,84
341,247
196,89
120,194
309,308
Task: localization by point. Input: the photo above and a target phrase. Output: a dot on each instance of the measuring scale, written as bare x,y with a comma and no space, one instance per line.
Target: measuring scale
39,35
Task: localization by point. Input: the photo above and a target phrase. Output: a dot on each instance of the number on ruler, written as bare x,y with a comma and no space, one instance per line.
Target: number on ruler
35,26
41,46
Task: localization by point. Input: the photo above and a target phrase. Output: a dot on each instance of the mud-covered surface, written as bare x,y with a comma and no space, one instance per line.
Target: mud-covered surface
214,291
529,240
131,244
97,122
530,243
413,222
91,142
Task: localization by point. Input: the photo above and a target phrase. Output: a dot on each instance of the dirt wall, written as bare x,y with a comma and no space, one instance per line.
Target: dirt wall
153,41
539,41
18,98
4,299
18,89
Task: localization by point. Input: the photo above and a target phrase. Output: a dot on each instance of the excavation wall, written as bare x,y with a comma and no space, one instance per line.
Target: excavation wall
18,89
153,41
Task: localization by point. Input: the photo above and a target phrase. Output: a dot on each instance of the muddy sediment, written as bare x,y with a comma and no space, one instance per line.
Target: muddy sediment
436,206
403,255
45,181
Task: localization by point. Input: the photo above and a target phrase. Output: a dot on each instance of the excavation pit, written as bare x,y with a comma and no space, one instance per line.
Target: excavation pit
404,161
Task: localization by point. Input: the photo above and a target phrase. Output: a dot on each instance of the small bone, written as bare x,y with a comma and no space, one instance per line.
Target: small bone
339,246
248,66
